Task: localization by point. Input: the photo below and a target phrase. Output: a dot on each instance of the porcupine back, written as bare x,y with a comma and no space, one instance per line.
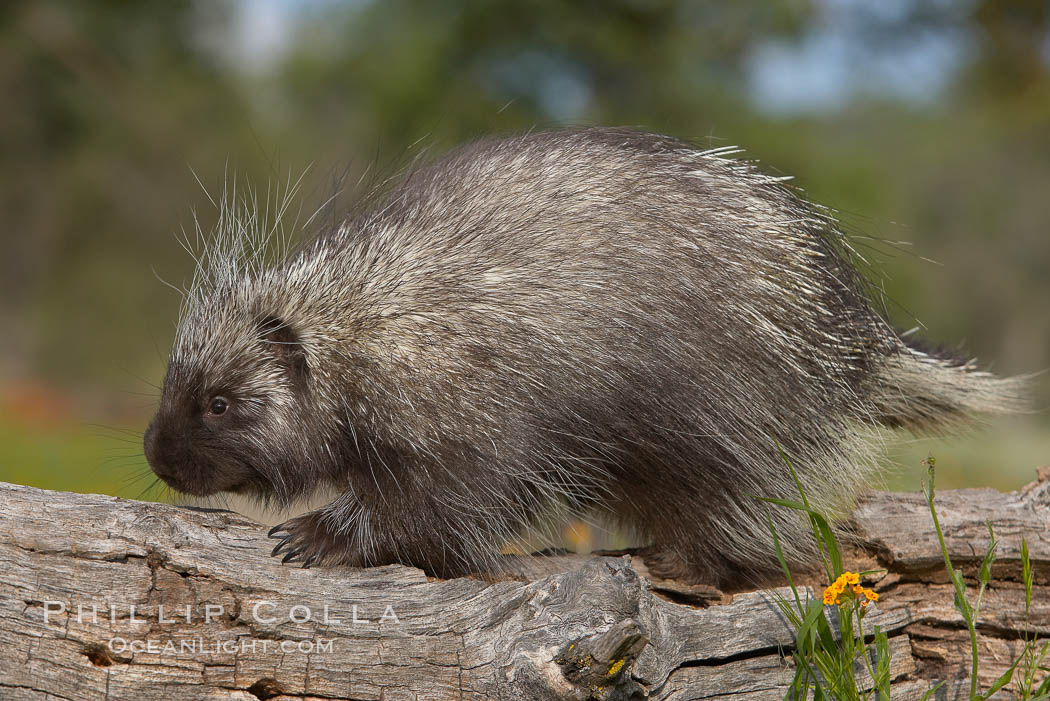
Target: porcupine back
608,319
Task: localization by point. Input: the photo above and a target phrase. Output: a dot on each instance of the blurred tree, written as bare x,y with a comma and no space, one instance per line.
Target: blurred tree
954,169
1014,52
109,104
406,69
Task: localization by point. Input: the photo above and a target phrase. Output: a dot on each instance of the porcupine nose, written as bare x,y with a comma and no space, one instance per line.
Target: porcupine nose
152,443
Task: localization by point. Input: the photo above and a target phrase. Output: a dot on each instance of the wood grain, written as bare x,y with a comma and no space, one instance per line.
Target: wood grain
105,598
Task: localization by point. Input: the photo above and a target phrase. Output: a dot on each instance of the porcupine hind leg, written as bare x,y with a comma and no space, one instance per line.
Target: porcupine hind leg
688,564
698,538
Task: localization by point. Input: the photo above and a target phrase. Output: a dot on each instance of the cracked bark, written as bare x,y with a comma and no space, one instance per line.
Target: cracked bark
216,618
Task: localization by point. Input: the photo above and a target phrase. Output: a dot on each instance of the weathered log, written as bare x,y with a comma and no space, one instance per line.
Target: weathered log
104,598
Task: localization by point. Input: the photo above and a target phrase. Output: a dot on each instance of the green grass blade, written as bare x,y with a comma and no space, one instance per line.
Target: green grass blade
828,536
783,562
1026,576
798,506
985,574
962,604
822,530
814,610
1002,680
931,691
882,663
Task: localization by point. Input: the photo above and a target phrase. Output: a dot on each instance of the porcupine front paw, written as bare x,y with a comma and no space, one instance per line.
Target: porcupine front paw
310,540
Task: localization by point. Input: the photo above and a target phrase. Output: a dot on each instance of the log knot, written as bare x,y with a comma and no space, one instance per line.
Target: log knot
601,663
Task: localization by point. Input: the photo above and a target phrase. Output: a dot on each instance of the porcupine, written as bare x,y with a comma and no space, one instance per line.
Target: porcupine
606,319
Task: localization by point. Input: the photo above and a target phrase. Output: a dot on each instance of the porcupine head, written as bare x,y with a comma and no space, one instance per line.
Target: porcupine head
269,394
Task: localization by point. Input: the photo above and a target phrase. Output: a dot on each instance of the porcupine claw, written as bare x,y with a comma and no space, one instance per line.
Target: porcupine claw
277,548
291,555
285,537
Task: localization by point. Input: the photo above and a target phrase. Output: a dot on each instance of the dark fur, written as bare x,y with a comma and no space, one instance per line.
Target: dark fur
606,319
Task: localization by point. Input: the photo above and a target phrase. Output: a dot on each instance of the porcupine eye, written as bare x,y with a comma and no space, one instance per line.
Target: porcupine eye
218,406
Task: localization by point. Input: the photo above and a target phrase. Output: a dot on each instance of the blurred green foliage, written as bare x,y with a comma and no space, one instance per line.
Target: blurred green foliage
110,104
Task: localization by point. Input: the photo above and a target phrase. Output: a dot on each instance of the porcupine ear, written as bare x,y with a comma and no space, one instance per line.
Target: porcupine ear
284,343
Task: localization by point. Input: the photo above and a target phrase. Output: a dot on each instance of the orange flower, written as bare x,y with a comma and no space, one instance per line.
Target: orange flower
848,583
